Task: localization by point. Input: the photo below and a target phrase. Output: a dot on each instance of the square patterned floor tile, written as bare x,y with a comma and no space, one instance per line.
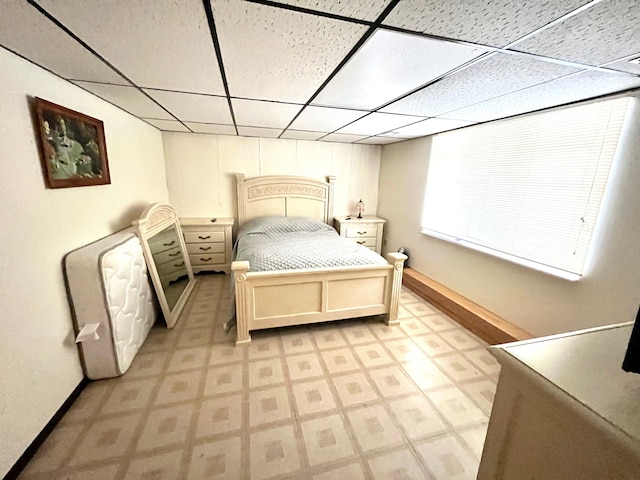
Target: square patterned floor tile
392,381
164,465
224,379
313,397
456,407
218,459
374,428
339,361
373,355
447,459
268,406
265,372
399,464
297,343
458,367
326,439
417,417
219,415
106,439
303,367
354,389
274,452
166,426
179,387
352,471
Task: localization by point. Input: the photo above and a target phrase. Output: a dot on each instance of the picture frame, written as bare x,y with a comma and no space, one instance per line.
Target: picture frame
72,147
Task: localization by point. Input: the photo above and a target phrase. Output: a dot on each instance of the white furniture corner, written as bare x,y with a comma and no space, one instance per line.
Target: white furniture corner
565,409
366,231
208,243
294,297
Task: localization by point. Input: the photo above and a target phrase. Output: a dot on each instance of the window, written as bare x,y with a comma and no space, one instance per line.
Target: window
527,189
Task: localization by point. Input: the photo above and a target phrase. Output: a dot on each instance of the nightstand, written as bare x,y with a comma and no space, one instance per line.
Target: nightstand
208,243
366,231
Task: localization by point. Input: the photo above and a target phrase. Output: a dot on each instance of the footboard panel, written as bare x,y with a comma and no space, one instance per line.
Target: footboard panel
295,297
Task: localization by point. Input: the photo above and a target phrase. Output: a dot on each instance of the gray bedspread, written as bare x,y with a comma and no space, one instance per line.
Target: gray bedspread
293,243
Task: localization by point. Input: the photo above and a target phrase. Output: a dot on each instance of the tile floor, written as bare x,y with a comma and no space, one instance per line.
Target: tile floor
344,400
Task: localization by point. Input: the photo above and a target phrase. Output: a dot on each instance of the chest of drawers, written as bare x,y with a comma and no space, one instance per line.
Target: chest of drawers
366,231
208,243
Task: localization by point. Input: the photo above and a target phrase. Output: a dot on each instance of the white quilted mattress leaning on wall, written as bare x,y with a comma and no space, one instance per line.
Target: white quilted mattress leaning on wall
112,302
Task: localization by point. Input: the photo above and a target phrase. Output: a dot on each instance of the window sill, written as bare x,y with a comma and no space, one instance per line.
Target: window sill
556,272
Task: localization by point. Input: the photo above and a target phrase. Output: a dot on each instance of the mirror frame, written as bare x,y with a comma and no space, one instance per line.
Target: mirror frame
155,219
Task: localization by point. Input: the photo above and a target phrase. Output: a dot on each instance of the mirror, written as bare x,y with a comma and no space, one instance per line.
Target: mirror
168,264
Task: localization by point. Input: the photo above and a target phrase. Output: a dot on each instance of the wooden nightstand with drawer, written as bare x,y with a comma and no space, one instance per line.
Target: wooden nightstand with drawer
208,243
366,231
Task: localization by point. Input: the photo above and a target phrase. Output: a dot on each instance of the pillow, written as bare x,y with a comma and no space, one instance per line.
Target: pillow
280,224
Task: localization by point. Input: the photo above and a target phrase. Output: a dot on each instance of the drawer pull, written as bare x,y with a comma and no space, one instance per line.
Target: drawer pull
204,238
178,264
175,254
169,244
361,233
360,242
204,249
208,259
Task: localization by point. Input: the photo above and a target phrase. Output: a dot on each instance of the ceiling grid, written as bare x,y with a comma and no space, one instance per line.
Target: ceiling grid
360,71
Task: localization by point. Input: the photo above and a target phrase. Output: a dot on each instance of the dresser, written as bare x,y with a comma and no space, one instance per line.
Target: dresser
208,243
565,409
366,231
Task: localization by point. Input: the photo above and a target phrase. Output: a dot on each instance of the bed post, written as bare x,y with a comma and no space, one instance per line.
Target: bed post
331,180
241,195
397,260
240,270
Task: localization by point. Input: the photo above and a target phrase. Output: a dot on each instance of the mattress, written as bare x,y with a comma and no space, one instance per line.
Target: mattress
294,243
112,302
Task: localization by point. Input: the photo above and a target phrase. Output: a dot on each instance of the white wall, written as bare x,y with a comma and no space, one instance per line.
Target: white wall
539,303
201,170
38,358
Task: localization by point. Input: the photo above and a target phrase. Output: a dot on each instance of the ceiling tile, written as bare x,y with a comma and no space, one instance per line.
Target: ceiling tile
325,119
26,31
259,132
360,9
607,31
499,74
211,128
127,98
163,45
302,135
192,107
167,125
254,113
378,123
489,22
342,138
429,127
275,54
390,64
582,86
380,140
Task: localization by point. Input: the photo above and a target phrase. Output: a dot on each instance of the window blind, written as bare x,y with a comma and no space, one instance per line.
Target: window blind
528,188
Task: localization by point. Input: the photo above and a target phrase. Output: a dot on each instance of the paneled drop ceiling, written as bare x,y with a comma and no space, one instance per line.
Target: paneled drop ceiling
356,71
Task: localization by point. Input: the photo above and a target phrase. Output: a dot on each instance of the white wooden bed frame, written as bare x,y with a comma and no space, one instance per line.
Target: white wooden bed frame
295,297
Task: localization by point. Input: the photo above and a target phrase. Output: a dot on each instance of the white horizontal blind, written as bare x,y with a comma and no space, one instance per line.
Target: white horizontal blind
528,187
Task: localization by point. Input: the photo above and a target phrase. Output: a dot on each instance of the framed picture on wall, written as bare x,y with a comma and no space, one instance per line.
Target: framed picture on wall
72,147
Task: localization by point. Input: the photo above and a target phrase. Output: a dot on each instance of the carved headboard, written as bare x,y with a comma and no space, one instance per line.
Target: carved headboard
285,195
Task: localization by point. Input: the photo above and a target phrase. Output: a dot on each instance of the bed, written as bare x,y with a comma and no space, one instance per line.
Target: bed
300,295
